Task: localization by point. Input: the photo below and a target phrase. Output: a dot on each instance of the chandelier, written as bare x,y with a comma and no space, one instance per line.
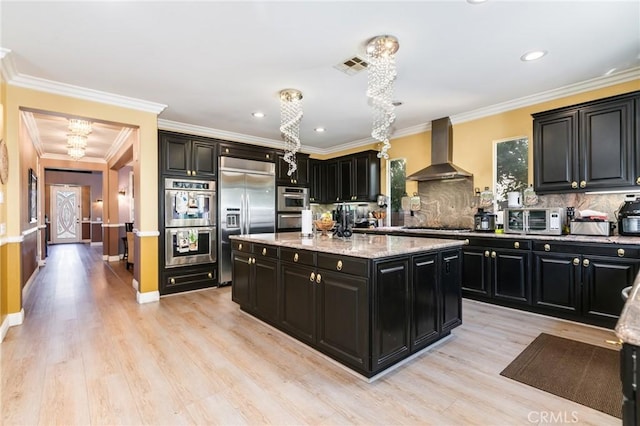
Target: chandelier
290,117
77,138
381,52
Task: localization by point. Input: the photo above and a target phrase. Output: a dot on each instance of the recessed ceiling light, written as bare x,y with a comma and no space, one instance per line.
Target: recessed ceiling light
476,1
258,114
320,129
533,55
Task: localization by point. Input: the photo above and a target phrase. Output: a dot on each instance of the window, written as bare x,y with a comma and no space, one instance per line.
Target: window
511,168
398,180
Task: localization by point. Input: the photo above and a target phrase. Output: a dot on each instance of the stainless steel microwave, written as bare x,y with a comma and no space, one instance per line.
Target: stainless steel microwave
544,221
292,199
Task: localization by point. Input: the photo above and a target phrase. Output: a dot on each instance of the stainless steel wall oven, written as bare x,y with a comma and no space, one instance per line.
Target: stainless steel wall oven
190,222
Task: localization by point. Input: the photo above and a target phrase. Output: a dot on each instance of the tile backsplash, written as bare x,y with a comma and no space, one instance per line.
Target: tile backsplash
453,203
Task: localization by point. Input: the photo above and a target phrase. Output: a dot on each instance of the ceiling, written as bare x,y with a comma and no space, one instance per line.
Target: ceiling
214,63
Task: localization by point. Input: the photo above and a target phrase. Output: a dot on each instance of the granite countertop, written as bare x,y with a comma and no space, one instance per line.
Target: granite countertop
613,239
628,326
358,245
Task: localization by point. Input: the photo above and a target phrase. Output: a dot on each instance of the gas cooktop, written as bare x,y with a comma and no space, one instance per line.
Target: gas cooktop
439,228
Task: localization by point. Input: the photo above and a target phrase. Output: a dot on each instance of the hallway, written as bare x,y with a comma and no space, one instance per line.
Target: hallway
87,353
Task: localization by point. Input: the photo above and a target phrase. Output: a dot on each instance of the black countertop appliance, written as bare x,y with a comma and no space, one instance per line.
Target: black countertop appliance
484,221
629,216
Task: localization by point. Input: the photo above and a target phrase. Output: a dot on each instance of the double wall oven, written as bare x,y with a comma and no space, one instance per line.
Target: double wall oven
291,201
190,222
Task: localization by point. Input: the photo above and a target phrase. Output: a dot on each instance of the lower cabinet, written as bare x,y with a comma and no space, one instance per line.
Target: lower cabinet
175,280
582,286
497,270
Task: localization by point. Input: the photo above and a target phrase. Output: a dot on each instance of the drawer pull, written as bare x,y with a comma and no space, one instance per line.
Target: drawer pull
493,254
585,263
583,184
172,281
240,246
339,265
486,253
264,251
516,245
209,275
638,180
547,247
295,257
466,242
318,278
574,185
312,277
576,261
620,252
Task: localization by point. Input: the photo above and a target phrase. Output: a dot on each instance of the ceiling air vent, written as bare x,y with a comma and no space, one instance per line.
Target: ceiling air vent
352,66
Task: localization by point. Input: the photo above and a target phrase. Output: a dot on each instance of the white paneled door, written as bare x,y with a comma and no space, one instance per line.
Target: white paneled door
65,215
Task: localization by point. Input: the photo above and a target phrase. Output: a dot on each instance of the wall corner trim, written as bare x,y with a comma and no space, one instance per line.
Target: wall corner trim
4,328
16,318
147,297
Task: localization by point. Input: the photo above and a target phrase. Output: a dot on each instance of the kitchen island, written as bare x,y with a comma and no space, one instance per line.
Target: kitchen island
369,302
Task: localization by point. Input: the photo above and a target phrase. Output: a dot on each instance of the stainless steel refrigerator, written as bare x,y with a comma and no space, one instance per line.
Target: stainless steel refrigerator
247,191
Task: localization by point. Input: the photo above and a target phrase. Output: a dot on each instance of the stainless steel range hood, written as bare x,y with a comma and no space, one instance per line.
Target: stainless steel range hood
441,155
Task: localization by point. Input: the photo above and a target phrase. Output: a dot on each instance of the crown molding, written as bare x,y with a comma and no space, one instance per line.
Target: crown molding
64,157
33,132
122,137
14,78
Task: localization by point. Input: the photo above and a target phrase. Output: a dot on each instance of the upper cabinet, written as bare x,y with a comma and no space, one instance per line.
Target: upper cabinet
353,177
300,177
591,146
183,155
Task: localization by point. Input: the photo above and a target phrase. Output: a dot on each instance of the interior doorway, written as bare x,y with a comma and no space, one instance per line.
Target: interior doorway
65,214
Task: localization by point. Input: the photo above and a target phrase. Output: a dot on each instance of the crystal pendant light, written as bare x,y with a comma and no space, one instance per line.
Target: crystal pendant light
79,127
381,52
76,145
290,117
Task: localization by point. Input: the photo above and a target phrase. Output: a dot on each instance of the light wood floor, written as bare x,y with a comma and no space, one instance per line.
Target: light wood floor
87,353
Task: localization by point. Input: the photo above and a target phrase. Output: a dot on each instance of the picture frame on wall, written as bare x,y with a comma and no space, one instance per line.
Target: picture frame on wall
33,197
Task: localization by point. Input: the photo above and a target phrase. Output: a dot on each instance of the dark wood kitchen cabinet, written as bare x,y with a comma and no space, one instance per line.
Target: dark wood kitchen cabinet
299,178
176,280
350,178
184,155
497,270
250,152
587,146
255,273
583,282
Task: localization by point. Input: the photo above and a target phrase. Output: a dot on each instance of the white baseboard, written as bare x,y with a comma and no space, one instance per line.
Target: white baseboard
4,328
148,297
42,262
16,318
113,258
135,284
105,257
96,243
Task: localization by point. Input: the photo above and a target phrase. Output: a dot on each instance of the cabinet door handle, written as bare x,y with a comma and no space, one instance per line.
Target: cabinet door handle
312,277
295,257
576,261
466,242
585,263
486,253
638,180
318,278
264,251
583,184
209,275
493,254
240,246
339,265
547,247
574,184
516,245
620,252
172,281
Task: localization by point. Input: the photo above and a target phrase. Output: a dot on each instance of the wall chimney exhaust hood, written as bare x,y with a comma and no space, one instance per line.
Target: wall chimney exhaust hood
441,155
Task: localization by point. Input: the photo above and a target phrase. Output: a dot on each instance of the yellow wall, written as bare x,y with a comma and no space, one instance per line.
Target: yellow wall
145,167
3,214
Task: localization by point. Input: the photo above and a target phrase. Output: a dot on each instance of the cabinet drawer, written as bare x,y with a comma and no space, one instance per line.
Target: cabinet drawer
612,250
348,265
301,257
241,246
243,151
266,251
495,243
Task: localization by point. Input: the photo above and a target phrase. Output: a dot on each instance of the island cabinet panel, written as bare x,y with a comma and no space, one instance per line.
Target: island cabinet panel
255,280
425,309
392,313
241,270
342,313
298,301
450,276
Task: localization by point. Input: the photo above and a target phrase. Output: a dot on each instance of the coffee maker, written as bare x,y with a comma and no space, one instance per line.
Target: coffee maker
629,216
